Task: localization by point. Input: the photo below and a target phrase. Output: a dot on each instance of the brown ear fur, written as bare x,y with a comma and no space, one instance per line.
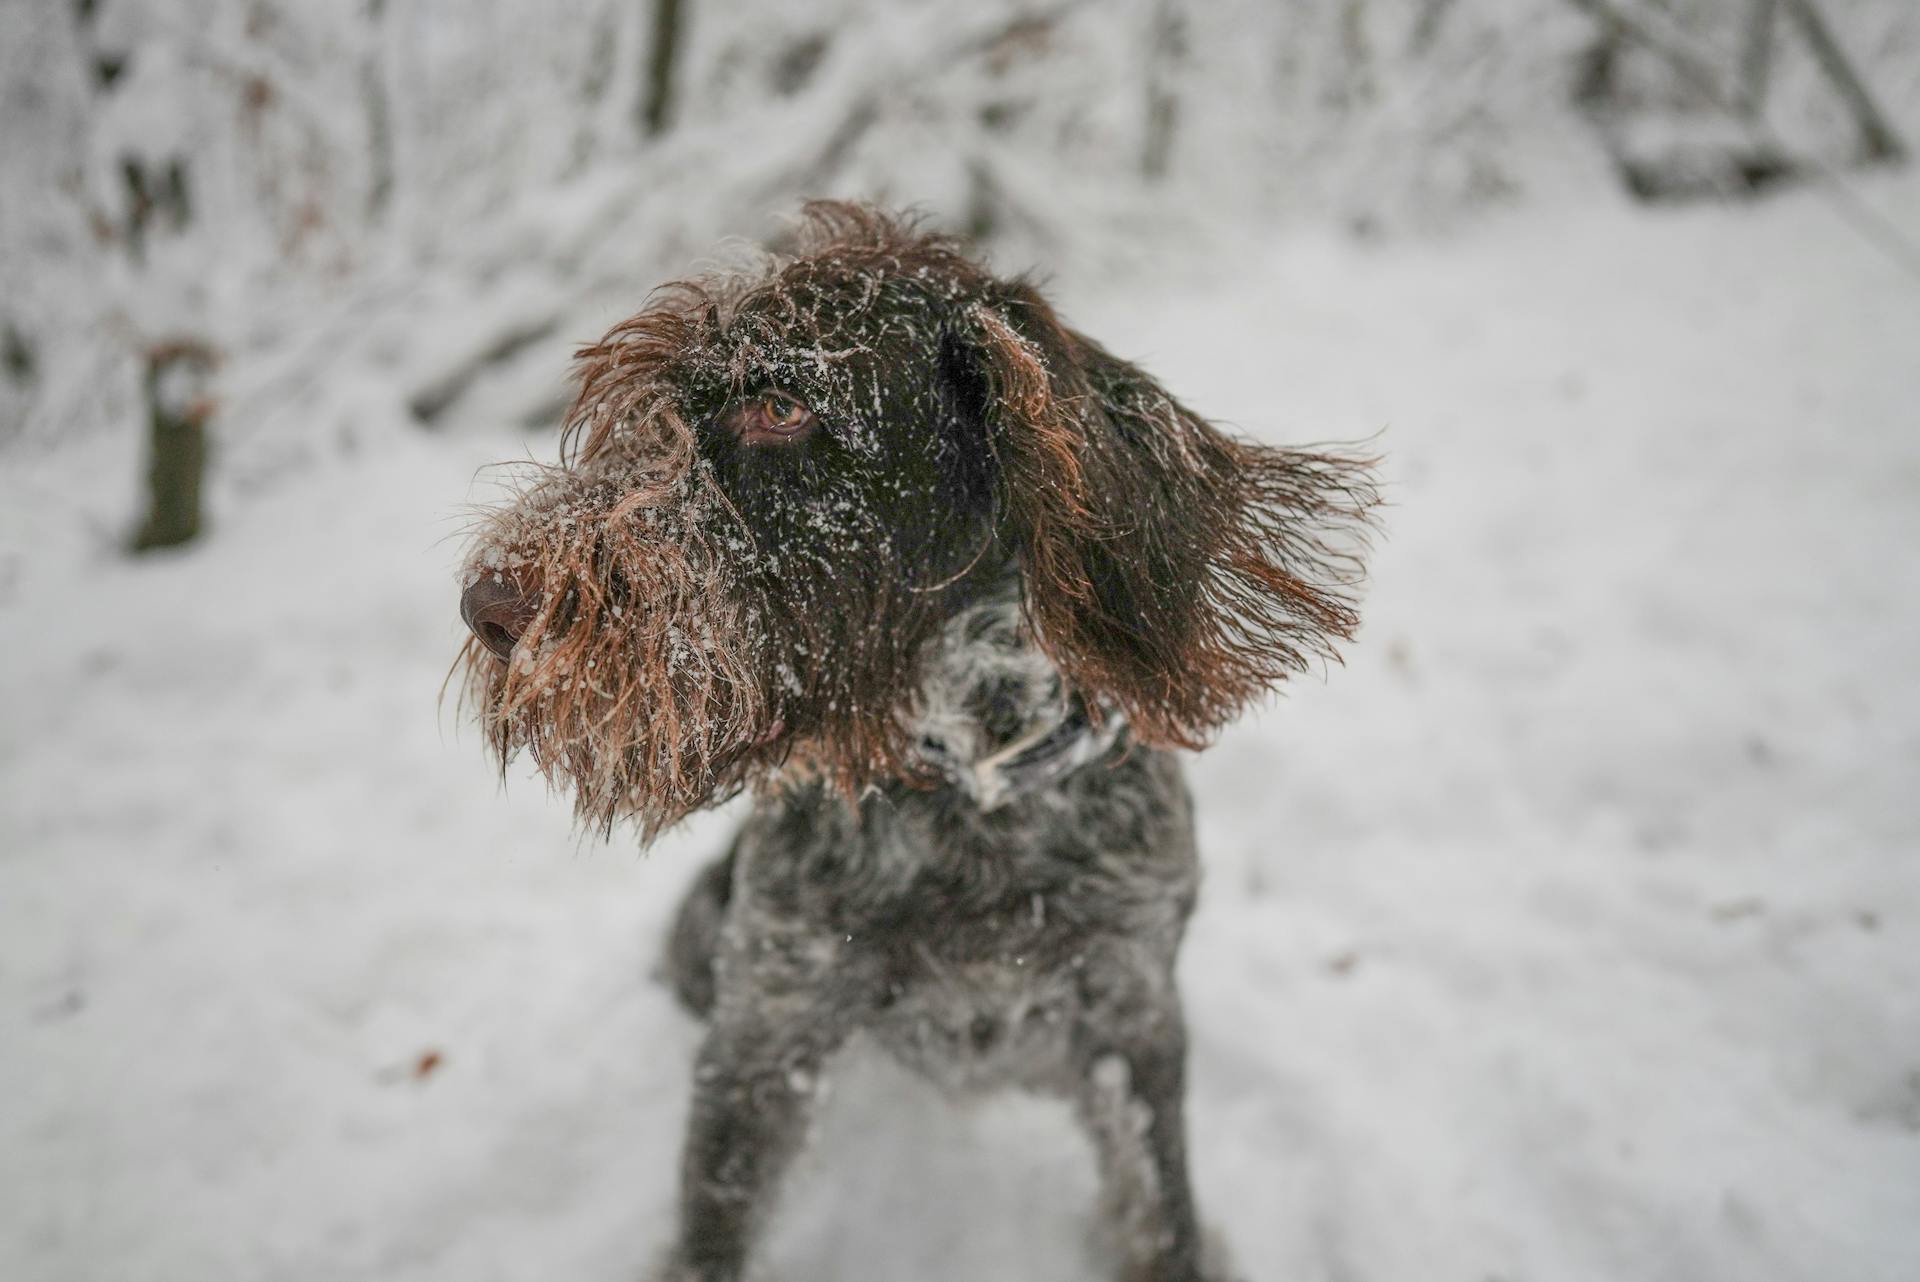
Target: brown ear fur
1171,569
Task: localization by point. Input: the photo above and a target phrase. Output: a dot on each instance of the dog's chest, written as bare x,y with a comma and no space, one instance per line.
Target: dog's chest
977,949
970,1024
998,998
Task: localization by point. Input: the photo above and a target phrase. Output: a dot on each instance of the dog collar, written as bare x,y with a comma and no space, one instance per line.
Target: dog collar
1042,757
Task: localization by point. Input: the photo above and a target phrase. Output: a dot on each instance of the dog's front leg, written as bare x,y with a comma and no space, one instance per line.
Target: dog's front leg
754,1087
1131,1098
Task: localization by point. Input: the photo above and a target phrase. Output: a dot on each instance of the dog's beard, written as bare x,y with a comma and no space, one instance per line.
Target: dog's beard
638,683
684,649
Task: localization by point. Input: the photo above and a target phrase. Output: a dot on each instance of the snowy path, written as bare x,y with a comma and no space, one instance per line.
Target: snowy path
1571,933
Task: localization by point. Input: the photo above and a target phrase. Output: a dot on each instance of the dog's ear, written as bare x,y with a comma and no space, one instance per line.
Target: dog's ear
1169,569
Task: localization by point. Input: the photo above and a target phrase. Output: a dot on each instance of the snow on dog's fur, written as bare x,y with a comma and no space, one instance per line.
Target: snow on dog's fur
872,531
707,615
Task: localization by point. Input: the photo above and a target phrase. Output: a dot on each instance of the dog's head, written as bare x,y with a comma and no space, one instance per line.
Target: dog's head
775,488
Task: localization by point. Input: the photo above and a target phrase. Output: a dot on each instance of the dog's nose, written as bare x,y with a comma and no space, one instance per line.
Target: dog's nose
498,610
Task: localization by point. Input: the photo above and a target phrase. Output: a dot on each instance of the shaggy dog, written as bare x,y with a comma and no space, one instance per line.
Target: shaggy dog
869,531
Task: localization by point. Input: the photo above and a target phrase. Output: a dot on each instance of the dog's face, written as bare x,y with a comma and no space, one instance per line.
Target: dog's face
774,490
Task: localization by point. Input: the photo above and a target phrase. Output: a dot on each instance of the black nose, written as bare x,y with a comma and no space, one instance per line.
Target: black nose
498,611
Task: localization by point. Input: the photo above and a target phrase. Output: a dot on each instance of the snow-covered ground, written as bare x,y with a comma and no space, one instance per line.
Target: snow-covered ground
1570,933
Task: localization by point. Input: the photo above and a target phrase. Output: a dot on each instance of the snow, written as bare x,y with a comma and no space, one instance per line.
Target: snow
1569,933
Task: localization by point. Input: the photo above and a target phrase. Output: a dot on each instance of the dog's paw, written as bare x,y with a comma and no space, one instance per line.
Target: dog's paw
675,1268
1216,1261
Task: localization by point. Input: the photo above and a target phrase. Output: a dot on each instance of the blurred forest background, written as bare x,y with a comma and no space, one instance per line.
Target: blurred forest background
440,191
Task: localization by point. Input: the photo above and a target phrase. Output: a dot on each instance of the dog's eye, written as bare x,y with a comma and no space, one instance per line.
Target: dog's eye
769,418
784,411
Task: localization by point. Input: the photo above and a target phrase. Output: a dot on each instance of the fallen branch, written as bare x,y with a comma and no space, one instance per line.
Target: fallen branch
430,402
1877,138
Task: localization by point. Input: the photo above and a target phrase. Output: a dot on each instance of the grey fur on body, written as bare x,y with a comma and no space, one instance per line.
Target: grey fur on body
1029,943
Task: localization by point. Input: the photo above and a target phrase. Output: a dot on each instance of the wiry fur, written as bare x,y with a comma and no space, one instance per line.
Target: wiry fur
945,637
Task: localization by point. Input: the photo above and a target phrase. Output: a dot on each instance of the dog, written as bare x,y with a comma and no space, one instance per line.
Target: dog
869,532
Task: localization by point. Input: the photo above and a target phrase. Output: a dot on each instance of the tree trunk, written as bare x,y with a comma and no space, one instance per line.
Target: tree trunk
178,408
1756,58
1164,55
663,55
373,87
1426,28
16,355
